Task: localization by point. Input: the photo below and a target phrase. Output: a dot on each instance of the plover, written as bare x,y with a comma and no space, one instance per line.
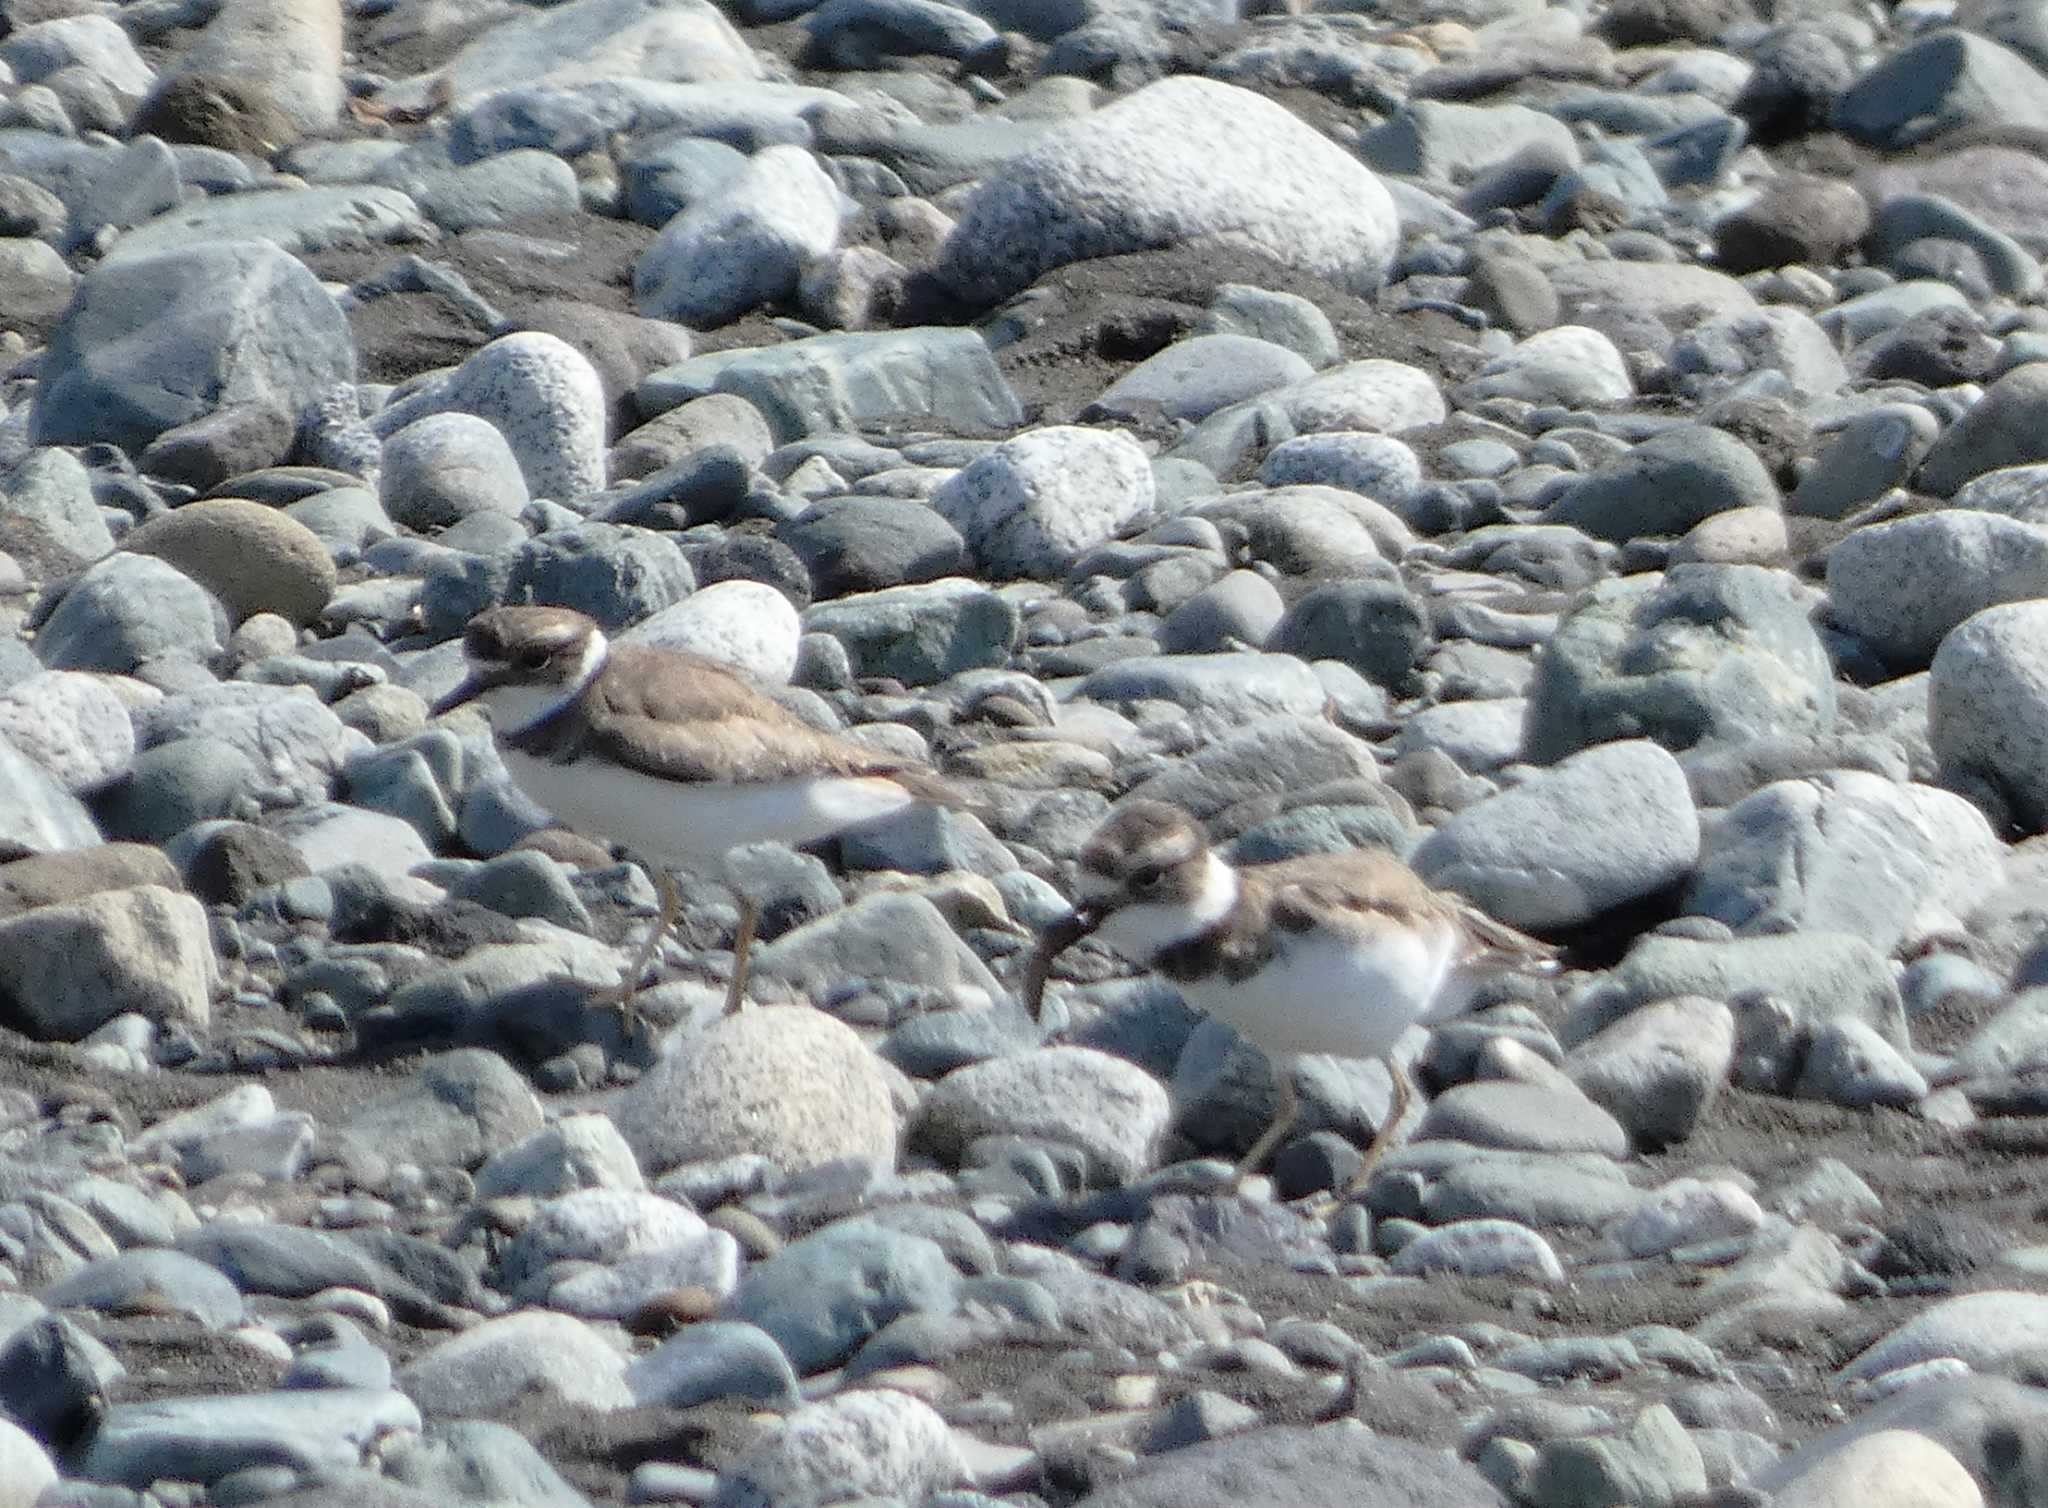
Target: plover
671,755
1326,953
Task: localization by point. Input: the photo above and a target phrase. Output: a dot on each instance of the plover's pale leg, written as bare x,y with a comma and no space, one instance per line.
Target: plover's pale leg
623,993
1404,1095
1284,1116
742,947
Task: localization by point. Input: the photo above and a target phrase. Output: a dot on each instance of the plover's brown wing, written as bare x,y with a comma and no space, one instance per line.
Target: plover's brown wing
1495,943
681,717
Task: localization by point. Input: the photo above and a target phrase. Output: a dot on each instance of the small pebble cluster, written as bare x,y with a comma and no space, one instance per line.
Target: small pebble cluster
1597,451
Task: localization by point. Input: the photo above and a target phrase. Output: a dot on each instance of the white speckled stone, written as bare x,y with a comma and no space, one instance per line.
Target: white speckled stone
541,394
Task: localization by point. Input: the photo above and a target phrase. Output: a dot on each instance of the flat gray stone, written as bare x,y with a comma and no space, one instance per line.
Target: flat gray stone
1848,852
205,1439
1604,827
1704,653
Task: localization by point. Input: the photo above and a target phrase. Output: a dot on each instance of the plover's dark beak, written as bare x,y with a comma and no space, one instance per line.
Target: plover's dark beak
473,685
1053,941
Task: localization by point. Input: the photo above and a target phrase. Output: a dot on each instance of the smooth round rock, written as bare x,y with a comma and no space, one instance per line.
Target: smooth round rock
255,559
787,1083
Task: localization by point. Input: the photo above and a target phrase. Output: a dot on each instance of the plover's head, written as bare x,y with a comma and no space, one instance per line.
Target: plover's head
524,661
1148,880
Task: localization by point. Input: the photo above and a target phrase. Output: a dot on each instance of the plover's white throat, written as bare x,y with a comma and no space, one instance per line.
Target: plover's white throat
1327,953
670,754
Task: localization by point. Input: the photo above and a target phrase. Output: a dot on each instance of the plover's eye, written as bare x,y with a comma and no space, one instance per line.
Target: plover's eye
533,657
1148,879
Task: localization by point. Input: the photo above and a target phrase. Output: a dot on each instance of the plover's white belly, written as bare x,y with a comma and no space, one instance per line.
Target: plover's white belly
1325,993
676,822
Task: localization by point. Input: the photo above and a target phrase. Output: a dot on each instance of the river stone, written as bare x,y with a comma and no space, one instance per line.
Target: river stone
255,559
1702,654
1186,159
1987,710
1606,826
786,1083
67,969
155,341
1666,485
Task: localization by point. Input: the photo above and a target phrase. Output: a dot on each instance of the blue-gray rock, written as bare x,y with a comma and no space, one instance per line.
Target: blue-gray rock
1111,1109
865,544
1726,351
1338,1462
1817,976
921,634
1274,757
1901,586
528,1354
1509,1114
1946,81
609,1253
1481,1249
1534,1189
1221,693
48,499
1849,1064
612,572
587,40
129,610
1118,182
175,784
1997,1428
743,244
517,185
1377,628
713,1360
666,175
205,1439
1192,378
54,1382
154,342
1870,454
848,382
174,1283
880,1444
2003,428
70,724
1653,1463
1375,466
1604,827
1240,608
1847,852
1990,1331
442,468
454,1110
300,221
822,1297
37,814
1450,142
1659,1068
459,1460
867,34
1665,485
1987,711
1706,653
1285,319
1568,364
524,883
1906,218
